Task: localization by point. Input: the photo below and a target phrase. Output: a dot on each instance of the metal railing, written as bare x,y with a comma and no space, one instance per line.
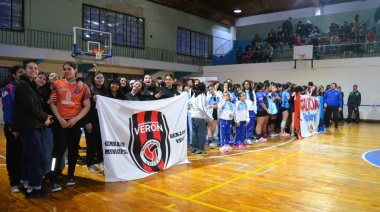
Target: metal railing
339,51
50,40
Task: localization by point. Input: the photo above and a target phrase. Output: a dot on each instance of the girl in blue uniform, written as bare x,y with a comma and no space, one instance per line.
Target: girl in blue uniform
226,111
241,120
262,112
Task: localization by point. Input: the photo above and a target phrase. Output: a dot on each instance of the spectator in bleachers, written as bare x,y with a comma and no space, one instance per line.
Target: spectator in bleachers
323,42
256,40
297,40
315,30
315,42
248,53
268,53
370,41
355,25
344,41
378,29
287,26
273,33
258,54
271,39
300,28
376,16
356,41
308,28
345,28
280,41
334,28
239,56
334,41
363,32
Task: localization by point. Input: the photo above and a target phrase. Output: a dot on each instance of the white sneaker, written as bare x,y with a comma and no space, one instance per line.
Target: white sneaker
212,145
15,189
101,165
93,168
248,141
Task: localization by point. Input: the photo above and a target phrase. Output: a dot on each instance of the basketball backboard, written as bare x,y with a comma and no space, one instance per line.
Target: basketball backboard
303,52
88,41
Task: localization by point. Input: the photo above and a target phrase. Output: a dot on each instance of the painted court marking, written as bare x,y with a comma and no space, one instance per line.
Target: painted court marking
372,157
242,153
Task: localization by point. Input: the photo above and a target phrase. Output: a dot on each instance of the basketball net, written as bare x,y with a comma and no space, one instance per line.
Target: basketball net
301,57
98,53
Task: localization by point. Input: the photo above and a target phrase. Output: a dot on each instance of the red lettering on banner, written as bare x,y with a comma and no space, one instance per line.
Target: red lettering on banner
309,104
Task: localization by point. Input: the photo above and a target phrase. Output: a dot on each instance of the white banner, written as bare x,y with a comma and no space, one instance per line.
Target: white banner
309,115
140,138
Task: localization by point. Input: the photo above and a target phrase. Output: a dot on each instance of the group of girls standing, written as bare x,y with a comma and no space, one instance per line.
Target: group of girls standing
253,111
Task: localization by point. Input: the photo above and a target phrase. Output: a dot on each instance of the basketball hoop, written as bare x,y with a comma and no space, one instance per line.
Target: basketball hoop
98,53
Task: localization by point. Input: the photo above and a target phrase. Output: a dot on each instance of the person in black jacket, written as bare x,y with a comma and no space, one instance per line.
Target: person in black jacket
28,120
168,90
92,132
137,94
353,103
114,89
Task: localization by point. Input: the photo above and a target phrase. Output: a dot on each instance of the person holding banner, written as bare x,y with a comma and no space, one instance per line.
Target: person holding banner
72,106
199,115
168,90
333,104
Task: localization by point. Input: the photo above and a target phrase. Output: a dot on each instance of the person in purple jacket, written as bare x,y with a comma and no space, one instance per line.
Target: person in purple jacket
13,143
333,104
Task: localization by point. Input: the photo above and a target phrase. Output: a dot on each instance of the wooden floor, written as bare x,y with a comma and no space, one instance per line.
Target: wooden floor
325,172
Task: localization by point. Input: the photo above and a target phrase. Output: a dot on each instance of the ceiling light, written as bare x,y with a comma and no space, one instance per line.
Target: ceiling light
237,10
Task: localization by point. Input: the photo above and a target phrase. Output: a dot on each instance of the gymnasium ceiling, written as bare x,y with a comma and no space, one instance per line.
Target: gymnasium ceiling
222,11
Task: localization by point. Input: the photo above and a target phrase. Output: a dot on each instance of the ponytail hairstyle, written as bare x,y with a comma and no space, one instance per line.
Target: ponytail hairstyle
259,86
199,89
240,94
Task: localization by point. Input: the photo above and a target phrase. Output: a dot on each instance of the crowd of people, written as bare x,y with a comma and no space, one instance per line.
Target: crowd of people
347,37
45,115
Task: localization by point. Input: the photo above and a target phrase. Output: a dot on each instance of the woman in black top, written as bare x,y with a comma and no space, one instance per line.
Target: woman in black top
92,127
137,94
168,90
28,120
115,89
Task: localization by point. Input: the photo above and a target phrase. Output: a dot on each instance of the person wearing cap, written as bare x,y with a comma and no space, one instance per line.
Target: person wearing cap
131,83
13,143
308,28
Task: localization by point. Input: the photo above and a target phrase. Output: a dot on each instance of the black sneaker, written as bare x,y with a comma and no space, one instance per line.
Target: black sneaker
70,181
55,187
35,194
193,151
201,152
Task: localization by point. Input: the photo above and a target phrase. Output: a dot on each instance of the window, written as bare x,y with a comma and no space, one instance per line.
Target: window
11,14
194,43
5,77
125,29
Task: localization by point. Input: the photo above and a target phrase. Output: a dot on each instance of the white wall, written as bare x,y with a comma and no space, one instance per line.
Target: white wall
365,72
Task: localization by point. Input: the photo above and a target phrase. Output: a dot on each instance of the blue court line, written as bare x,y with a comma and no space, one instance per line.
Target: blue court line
372,157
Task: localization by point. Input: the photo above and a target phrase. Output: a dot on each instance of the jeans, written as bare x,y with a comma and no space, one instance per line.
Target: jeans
33,161
47,144
198,134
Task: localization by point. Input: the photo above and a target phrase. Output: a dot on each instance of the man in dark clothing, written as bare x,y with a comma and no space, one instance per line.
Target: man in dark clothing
333,104
353,102
239,56
287,26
